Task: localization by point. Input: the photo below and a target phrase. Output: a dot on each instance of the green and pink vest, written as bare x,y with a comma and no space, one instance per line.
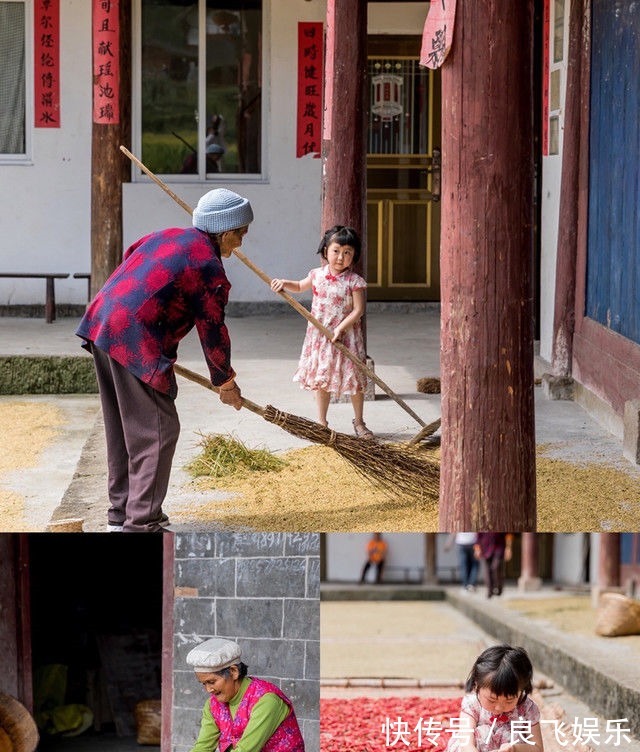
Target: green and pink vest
286,738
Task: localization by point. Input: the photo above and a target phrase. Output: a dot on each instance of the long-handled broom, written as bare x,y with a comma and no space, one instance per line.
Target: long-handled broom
426,429
397,470
400,471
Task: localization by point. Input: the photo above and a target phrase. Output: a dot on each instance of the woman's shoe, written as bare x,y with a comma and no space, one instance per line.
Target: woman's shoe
361,431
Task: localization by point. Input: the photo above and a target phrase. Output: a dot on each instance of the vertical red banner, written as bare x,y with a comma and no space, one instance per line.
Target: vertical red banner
310,70
46,63
546,64
106,61
437,34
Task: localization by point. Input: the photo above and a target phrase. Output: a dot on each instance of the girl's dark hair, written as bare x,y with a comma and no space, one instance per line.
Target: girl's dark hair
242,670
343,236
504,670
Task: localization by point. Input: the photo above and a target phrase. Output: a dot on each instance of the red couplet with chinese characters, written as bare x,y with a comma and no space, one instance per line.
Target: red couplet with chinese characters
309,121
47,63
545,78
106,61
437,35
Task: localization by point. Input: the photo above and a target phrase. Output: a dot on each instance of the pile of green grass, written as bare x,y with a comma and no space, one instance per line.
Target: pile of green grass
222,456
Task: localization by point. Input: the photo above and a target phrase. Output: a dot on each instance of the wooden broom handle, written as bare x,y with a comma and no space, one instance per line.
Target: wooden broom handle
329,335
292,301
198,379
157,180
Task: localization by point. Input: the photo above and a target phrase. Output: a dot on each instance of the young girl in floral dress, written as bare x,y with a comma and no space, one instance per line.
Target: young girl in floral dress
338,303
497,714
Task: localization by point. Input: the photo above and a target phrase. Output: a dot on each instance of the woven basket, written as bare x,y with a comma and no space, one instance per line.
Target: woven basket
428,385
617,615
18,730
6,745
148,721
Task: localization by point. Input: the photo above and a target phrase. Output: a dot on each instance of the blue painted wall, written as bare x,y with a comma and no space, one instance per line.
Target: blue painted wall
613,255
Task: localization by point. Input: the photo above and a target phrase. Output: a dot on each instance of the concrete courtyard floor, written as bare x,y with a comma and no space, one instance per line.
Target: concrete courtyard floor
67,477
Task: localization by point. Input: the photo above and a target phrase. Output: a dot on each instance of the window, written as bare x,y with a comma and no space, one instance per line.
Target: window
557,71
201,103
13,83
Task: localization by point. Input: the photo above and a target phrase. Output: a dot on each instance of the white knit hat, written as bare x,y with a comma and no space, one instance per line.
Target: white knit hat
221,210
214,655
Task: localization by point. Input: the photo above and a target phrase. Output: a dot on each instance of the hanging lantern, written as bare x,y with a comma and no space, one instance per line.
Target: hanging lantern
387,95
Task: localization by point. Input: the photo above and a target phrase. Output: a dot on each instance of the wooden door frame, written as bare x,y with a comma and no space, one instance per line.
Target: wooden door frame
15,626
166,681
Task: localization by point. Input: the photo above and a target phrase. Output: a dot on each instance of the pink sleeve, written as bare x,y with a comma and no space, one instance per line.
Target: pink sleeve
471,706
357,282
530,711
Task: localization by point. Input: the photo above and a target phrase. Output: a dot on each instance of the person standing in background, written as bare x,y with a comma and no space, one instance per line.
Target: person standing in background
467,561
493,549
376,555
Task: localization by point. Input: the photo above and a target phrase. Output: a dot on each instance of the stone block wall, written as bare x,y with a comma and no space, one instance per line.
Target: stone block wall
262,590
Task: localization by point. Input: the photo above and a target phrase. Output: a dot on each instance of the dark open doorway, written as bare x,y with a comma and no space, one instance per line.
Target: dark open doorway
96,629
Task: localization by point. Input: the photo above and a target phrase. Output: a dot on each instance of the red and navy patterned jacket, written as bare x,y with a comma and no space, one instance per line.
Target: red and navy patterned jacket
167,282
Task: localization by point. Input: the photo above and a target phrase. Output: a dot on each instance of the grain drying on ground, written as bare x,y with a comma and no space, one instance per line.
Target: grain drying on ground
316,490
319,491
27,429
578,497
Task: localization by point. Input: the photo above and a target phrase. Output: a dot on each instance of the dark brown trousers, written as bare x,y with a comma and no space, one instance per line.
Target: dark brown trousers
142,429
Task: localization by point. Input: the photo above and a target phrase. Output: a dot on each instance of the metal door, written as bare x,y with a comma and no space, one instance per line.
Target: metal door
403,173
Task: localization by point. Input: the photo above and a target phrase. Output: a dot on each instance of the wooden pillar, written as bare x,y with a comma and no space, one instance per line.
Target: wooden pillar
574,149
529,579
430,559
110,168
344,178
9,648
609,561
168,629
16,678
488,442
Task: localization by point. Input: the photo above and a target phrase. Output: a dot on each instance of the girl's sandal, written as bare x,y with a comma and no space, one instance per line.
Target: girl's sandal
361,431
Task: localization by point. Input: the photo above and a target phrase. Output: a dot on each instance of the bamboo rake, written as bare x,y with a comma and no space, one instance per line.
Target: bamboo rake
397,470
292,301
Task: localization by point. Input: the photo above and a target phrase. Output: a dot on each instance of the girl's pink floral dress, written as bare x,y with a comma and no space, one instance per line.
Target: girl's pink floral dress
494,730
323,366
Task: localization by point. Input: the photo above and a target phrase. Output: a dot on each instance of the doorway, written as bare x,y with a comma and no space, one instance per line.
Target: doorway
403,172
95,637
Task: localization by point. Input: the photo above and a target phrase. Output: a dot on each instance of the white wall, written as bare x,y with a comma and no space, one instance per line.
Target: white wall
45,218
45,214
285,233
549,207
595,555
570,558
396,18
573,562
346,553
550,204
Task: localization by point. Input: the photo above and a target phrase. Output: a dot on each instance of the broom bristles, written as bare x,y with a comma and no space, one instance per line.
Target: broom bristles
398,470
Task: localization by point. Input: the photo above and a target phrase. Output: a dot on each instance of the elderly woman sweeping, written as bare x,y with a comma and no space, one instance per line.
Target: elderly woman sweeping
243,713
168,282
